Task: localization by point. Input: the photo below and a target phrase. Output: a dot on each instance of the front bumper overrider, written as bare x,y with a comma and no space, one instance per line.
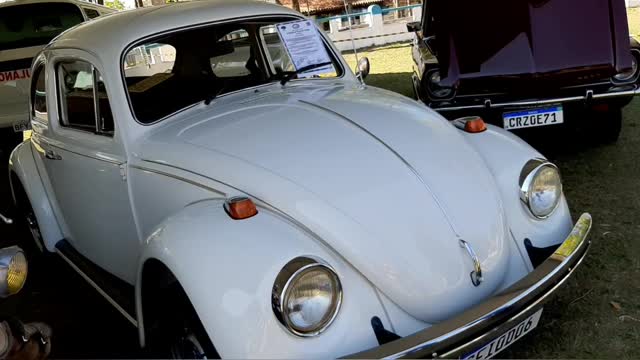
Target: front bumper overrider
481,324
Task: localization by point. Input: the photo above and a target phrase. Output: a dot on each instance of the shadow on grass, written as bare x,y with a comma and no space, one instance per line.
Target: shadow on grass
398,82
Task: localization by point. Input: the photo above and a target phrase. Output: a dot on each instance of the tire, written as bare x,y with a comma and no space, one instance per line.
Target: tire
607,125
179,334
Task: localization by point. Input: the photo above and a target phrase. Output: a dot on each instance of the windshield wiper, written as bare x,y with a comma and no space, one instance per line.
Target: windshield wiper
288,75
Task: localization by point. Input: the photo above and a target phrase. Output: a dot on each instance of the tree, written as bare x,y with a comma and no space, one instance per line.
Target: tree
115,4
295,4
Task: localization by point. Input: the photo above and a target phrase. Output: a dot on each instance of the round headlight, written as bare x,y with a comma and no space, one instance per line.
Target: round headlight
435,90
632,73
13,270
541,188
306,296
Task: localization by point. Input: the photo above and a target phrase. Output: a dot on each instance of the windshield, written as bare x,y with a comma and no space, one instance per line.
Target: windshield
35,24
172,72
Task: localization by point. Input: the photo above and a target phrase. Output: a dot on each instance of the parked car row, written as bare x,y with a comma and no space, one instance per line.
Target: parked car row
228,206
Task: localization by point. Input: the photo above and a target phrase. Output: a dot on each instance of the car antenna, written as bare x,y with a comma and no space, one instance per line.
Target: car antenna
353,42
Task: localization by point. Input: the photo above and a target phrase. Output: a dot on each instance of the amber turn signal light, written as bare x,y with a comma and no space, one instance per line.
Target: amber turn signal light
240,208
475,125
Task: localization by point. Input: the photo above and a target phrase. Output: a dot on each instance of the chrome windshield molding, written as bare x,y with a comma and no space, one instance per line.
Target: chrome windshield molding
607,95
281,285
468,330
528,175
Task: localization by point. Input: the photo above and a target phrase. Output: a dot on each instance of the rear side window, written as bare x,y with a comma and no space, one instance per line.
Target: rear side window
38,97
91,13
35,24
84,104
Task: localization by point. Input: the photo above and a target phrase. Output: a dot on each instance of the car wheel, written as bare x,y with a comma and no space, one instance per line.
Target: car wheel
607,125
181,335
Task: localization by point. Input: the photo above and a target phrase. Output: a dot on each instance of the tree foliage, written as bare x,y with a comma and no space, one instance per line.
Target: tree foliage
115,4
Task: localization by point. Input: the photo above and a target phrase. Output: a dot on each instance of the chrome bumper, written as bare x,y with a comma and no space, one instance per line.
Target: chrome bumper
587,97
485,322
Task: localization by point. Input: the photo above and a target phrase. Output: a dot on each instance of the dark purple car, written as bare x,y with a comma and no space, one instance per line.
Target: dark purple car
527,63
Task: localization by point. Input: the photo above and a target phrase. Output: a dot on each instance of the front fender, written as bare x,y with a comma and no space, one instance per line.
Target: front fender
505,155
227,269
22,164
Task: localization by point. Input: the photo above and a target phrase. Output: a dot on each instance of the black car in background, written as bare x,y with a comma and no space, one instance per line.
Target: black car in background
527,63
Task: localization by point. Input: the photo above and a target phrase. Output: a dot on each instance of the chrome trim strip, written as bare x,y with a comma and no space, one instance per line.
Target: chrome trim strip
541,102
99,158
563,259
98,289
397,155
158,172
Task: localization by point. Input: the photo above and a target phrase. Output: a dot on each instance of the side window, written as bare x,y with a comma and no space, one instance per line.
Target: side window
38,94
84,104
91,13
232,55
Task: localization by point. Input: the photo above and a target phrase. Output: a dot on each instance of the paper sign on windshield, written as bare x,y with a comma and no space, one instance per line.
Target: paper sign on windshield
305,46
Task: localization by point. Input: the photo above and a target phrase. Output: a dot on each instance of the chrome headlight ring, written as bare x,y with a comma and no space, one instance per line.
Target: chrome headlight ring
530,173
297,278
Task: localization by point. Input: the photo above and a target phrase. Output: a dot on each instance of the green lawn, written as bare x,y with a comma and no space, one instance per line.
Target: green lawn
634,22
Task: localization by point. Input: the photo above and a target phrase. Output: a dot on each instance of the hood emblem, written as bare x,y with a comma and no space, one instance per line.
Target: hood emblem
476,274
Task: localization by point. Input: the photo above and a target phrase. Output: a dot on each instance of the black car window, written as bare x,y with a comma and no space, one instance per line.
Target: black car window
35,24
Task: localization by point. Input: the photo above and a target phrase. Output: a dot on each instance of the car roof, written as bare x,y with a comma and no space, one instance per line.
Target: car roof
75,2
110,34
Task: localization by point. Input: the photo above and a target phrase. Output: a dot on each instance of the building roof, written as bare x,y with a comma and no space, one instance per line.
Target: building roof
108,35
312,7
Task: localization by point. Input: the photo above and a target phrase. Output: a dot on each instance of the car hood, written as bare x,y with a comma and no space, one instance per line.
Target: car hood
386,183
528,37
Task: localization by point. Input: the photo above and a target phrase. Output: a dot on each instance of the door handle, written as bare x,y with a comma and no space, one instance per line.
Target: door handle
51,155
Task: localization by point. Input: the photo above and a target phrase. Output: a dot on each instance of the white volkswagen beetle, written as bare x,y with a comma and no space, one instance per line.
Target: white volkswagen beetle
229,207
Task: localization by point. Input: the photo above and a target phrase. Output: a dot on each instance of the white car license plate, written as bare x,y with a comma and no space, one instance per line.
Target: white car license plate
534,117
22,126
505,340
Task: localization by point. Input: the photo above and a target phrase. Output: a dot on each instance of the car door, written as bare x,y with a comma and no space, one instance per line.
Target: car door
85,162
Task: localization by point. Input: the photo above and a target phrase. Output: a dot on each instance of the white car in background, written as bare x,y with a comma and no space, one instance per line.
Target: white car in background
228,207
26,26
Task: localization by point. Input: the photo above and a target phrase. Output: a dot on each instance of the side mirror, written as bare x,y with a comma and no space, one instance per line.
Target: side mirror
13,271
363,68
431,44
414,26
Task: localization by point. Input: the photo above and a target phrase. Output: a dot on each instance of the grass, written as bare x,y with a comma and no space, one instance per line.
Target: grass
634,22
391,67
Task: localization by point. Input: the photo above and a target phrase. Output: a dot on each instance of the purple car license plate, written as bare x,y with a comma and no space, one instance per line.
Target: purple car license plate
532,118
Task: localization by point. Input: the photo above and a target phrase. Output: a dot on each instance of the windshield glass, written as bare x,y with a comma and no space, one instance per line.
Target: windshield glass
172,72
35,24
